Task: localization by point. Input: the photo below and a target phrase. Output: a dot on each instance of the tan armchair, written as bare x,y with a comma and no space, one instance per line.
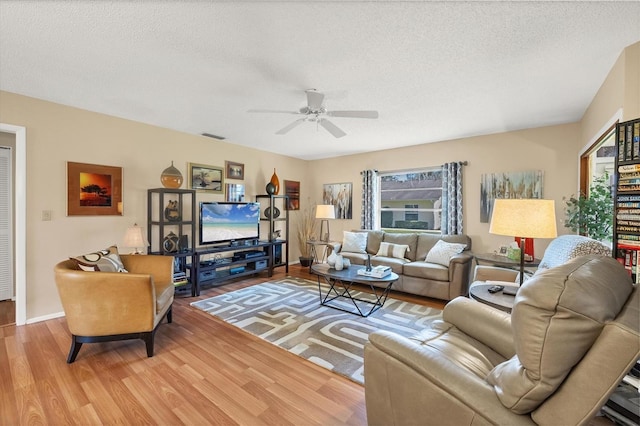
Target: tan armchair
107,306
572,336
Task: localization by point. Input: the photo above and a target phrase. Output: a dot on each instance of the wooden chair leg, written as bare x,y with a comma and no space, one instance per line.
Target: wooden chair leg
148,340
169,315
73,351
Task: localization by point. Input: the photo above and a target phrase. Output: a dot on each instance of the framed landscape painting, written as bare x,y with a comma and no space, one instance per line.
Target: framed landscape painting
234,170
206,178
93,190
340,195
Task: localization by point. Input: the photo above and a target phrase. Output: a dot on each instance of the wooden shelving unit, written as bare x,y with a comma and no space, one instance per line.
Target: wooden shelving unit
626,221
274,227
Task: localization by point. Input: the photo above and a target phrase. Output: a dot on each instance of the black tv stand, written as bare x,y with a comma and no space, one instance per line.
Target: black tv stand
213,266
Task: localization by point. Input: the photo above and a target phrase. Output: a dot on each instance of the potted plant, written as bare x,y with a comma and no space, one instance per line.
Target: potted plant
306,231
592,216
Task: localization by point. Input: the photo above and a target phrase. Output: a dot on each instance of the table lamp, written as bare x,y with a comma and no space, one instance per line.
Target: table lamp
325,212
133,238
524,218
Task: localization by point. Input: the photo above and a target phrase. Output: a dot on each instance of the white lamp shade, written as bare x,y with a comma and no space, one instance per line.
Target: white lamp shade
325,211
527,218
134,238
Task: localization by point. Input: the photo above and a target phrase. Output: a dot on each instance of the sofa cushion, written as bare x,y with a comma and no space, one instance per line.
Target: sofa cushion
395,264
429,271
442,252
557,316
409,239
393,250
374,238
426,242
354,242
107,260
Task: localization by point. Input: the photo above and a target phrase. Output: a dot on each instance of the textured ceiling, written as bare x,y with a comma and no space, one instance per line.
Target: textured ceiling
434,70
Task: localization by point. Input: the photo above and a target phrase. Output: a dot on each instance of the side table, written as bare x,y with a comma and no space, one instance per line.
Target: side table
498,300
314,251
497,260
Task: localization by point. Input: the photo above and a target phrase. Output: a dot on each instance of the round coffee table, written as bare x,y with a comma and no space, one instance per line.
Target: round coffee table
340,283
480,292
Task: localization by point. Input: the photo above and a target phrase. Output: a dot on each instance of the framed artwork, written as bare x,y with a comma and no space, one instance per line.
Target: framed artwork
206,178
234,170
93,190
235,192
526,184
341,196
292,189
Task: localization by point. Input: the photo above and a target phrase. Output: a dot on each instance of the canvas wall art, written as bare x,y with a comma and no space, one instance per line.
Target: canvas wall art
341,196
527,184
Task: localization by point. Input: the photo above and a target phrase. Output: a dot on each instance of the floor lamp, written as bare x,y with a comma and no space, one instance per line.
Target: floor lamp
325,212
524,218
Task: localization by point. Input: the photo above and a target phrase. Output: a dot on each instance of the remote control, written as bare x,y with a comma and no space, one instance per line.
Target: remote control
495,289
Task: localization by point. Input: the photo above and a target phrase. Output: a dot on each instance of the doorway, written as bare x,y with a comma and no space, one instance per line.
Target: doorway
19,228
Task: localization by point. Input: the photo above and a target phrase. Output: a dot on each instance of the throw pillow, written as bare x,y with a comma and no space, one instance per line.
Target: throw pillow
354,242
393,250
107,260
442,252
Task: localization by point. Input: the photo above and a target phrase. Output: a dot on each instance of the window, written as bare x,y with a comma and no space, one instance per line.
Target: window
410,199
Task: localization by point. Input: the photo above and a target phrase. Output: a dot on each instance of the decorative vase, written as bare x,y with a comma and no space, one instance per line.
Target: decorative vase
275,182
331,259
345,263
339,263
171,177
170,244
270,188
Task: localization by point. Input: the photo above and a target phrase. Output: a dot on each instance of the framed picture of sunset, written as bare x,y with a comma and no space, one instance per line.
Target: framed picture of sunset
93,189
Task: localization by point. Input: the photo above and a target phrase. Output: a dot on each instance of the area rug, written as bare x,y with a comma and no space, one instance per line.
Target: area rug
288,313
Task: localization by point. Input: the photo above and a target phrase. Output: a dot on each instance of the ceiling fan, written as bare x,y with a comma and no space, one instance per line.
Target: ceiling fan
315,111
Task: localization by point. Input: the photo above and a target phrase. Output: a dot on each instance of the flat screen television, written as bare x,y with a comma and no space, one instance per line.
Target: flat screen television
228,222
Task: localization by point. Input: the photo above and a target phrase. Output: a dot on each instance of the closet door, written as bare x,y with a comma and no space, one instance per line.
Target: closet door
6,220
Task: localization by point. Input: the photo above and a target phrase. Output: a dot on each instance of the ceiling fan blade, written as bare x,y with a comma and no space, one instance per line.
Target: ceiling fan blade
331,128
287,128
353,114
314,99
273,111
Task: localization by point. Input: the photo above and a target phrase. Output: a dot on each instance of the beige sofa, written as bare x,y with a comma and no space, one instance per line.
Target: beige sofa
417,276
572,336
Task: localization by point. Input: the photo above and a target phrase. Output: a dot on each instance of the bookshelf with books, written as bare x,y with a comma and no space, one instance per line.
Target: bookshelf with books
626,229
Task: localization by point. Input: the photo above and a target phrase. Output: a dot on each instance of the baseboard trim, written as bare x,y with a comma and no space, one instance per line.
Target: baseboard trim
45,317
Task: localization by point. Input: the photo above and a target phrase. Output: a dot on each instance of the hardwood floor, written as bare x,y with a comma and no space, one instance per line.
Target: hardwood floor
203,372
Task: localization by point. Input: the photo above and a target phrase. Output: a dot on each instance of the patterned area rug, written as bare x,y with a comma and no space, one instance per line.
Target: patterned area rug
288,313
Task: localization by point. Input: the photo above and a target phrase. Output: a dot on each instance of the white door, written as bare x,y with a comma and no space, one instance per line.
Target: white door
6,244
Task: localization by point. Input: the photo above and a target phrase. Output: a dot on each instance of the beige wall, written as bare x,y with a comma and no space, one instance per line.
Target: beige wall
551,149
57,134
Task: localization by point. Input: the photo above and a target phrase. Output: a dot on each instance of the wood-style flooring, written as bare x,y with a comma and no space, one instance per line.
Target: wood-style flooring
203,372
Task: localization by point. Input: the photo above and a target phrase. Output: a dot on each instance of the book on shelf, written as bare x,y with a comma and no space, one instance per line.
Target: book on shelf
628,198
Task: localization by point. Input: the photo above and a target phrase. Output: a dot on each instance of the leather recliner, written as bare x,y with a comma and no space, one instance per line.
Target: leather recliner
107,306
572,336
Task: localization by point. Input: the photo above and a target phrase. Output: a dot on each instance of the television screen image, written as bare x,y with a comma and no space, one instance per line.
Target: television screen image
227,221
